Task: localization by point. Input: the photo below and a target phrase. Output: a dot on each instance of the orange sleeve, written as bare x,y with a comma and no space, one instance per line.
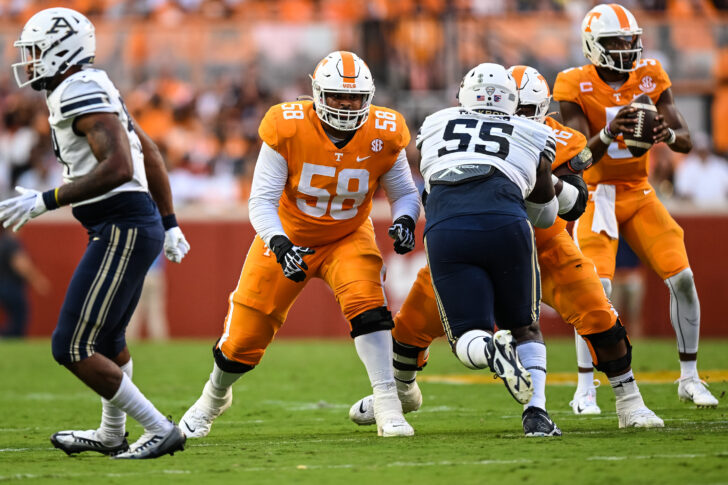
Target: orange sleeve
268,128
403,132
566,86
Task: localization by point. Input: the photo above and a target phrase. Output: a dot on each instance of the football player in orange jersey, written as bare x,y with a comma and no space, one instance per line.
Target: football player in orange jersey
569,283
594,100
317,171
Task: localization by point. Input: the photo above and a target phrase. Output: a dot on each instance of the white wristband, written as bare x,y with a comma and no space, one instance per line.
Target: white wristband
606,137
672,138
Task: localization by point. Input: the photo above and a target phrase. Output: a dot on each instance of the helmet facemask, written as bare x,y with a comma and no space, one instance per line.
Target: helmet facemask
341,119
621,60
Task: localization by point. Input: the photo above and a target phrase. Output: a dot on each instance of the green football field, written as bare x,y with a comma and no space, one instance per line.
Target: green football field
289,422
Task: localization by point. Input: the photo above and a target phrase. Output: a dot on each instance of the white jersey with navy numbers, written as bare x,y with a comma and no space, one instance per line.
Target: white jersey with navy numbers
458,136
89,91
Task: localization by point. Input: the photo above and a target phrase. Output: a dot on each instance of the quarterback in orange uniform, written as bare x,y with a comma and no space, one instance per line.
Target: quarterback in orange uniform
317,171
595,100
569,284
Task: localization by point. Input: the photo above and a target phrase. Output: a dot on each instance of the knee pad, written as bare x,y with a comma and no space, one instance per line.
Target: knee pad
607,285
229,365
371,321
408,357
682,283
607,339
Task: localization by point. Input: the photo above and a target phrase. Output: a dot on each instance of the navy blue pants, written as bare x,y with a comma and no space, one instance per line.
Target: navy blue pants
484,276
125,236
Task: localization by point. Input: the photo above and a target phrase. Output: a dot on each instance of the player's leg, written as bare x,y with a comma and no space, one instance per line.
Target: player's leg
571,285
601,251
416,325
256,310
91,325
464,292
354,271
517,293
659,241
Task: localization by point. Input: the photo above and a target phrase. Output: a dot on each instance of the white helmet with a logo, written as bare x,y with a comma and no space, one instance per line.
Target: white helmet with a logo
611,20
53,40
533,90
489,87
342,72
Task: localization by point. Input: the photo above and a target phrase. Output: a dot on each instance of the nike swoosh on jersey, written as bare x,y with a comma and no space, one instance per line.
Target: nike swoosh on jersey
647,191
361,159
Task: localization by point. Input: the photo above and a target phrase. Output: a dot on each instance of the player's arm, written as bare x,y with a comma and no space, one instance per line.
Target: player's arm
541,204
598,143
269,181
571,191
175,243
405,202
672,127
108,142
110,145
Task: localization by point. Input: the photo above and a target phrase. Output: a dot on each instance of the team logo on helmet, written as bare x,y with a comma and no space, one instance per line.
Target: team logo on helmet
61,23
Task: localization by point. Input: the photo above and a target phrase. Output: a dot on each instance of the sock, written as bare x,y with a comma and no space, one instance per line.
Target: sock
217,390
470,349
626,392
689,369
532,355
684,311
131,400
375,351
113,420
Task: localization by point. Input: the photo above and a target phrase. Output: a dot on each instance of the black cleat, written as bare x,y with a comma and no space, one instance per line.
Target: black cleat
536,422
152,445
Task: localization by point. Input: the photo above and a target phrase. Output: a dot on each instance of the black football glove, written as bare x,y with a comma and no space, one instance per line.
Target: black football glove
290,257
403,233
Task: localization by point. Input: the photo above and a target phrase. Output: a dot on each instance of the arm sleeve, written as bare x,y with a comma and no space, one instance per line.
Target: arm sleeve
269,180
401,190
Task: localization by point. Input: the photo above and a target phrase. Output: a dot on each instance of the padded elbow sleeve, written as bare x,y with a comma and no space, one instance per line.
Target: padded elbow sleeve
542,215
575,199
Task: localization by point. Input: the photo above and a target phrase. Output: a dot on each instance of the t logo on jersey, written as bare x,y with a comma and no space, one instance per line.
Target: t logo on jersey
592,16
338,156
61,23
586,87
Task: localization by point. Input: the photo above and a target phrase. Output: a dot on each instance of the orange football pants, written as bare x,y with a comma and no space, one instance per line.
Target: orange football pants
647,227
569,284
352,267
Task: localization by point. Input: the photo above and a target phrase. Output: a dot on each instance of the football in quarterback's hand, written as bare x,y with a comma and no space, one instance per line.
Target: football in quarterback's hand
640,140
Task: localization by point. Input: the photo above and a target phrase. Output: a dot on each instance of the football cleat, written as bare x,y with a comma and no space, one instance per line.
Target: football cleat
585,402
153,445
197,421
388,415
692,389
362,412
639,417
79,441
503,360
536,422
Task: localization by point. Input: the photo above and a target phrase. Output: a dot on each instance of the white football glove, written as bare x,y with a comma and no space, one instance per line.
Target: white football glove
19,210
175,244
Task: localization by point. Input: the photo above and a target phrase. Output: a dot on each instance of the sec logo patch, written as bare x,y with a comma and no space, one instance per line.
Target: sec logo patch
377,145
